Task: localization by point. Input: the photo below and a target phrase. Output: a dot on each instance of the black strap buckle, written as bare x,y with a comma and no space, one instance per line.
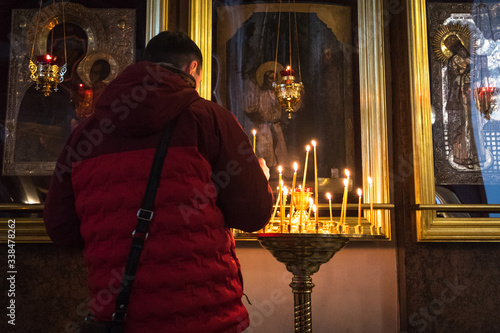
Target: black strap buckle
140,235
144,214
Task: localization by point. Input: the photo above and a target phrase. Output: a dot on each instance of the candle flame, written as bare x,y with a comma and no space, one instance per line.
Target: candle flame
308,148
254,132
347,173
346,182
280,169
328,196
314,208
285,190
313,142
287,68
311,201
359,192
295,166
48,57
370,180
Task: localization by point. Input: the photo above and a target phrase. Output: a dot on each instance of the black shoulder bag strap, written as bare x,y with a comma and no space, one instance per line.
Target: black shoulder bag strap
140,234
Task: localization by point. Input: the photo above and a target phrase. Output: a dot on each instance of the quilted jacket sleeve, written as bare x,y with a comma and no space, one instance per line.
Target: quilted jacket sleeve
61,221
245,197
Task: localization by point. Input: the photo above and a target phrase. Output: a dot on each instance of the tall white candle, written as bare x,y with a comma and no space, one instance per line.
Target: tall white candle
359,207
305,168
282,213
315,174
344,199
254,132
329,197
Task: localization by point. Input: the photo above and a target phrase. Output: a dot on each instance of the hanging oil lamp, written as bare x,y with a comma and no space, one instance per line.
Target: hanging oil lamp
483,85
48,71
288,92
482,98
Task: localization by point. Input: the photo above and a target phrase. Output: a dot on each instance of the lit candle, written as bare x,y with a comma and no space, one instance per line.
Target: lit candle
295,167
315,174
329,197
254,132
280,170
359,228
305,167
359,208
344,199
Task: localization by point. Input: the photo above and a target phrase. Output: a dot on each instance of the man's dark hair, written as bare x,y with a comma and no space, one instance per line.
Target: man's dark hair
175,48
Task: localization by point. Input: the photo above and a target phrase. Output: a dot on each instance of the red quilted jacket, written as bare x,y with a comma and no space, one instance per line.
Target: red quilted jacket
188,279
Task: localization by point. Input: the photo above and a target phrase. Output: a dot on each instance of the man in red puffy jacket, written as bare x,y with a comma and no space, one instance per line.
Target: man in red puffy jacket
188,278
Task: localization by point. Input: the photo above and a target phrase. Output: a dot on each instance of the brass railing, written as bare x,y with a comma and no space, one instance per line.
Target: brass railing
487,208
22,228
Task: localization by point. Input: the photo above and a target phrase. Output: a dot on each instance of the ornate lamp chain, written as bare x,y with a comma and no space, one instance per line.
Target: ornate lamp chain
64,33
297,42
277,43
290,33
36,30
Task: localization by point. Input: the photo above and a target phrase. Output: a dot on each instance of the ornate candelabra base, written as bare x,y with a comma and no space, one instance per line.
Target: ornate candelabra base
302,255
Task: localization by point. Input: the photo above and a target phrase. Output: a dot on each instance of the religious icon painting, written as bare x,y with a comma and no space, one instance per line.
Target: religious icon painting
255,43
464,77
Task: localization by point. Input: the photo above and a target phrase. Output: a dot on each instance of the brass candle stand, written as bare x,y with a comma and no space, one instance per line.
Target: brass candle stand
303,242
302,255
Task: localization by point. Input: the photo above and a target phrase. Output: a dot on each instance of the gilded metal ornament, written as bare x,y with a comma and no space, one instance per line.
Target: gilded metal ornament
440,47
289,93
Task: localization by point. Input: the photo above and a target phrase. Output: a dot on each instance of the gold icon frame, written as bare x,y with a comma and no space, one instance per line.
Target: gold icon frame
429,227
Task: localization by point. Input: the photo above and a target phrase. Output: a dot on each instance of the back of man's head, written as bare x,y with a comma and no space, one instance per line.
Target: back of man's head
175,48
